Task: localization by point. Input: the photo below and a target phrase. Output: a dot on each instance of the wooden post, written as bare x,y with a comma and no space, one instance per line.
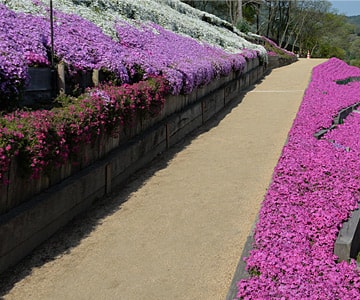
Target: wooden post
61,77
95,77
167,135
108,179
52,33
203,106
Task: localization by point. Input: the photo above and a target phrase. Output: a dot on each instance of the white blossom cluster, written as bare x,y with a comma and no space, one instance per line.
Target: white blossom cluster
173,15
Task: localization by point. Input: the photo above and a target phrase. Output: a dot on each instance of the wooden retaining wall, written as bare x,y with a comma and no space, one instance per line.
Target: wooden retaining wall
32,211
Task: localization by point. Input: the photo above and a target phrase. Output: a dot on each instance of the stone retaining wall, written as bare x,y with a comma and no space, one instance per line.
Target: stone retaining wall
32,211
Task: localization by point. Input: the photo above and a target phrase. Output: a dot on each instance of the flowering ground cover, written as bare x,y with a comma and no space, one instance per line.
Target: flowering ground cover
20,46
172,15
121,38
184,62
271,47
79,43
136,51
315,187
112,36
42,140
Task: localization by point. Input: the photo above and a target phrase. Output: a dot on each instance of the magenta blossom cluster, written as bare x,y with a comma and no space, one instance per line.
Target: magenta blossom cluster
315,187
272,53
42,140
187,64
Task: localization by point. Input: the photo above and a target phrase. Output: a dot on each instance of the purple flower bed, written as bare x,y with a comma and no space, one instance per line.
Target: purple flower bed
148,62
144,51
77,42
83,46
185,62
21,45
314,188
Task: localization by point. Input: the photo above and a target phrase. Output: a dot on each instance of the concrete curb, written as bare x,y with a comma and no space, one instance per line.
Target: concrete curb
347,244
240,272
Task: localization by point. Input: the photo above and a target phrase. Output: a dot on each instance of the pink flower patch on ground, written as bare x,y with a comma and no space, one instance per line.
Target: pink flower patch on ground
315,187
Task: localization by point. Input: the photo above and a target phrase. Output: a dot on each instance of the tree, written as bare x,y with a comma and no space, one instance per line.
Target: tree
201,5
235,10
293,24
297,25
251,12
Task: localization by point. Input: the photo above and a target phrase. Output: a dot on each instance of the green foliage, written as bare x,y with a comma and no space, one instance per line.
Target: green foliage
249,13
108,76
355,62
347,80
63,100
254,271
328,50
243,26
218,8
354,49
356,21
297,26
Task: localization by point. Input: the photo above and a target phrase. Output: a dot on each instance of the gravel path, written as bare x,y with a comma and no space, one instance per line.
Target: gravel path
177,229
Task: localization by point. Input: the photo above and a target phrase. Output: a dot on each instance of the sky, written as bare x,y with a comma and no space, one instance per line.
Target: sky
347,7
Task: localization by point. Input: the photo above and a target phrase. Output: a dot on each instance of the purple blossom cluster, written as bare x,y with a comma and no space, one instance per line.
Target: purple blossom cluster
22,44
139,52
185,62
249,53
83,46
77,42
315,187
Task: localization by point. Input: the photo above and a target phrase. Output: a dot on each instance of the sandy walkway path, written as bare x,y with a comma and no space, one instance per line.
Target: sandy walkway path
177,229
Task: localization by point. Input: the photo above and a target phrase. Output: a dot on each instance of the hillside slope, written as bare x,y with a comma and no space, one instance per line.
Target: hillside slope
131,40
172,15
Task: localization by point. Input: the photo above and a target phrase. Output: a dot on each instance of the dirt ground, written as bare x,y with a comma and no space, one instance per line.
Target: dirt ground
176,230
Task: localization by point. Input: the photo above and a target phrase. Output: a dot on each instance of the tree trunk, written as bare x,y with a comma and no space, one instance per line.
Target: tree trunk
258,19
287,18
239,10
269,21
279,24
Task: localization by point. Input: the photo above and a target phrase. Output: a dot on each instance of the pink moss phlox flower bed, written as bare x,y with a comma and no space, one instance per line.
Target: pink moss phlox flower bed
271,42
272,53
315,187
42,140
